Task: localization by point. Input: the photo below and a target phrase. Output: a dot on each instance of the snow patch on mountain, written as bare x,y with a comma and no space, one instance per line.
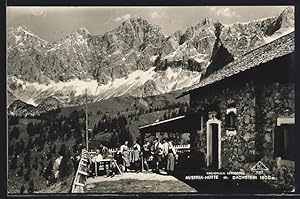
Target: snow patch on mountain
278,34
31,102
165,81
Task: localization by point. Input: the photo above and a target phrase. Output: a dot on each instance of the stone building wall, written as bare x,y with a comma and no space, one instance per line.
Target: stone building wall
236,150
258,106
279,101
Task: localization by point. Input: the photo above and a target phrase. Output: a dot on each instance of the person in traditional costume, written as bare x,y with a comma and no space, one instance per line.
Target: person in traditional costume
165,147
125,151
158,154
136,158
146,155
172,155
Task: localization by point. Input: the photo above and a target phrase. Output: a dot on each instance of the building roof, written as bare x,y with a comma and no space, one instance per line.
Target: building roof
263,54
164,121
183,123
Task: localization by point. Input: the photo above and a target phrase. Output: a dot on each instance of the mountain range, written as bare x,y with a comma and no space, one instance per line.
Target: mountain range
134,59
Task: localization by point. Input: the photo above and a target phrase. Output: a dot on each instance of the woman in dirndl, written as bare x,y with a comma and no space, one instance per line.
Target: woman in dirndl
171,157
125,151
136,159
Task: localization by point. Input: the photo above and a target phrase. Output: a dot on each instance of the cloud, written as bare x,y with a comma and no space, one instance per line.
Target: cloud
155,15
224,12
122,18
37,11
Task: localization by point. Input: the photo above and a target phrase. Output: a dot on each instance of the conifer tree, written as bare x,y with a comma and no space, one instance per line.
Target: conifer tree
27,159
15,133
31,187
66,166
22,189
21,170
27,175
48,173
14,163
30,129
11,149
35,163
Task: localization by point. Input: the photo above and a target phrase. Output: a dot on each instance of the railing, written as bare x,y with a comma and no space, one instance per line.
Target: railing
81,175
183,147
180,148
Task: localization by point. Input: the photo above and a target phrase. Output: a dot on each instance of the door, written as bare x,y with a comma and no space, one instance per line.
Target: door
214,146
213,134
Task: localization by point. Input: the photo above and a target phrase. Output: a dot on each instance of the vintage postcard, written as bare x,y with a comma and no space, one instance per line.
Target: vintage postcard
162,99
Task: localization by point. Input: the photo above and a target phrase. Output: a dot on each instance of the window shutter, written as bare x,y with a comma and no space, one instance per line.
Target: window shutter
226,120
292,140
278,142
232,120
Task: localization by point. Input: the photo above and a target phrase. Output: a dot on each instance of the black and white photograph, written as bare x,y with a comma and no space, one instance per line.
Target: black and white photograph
150,99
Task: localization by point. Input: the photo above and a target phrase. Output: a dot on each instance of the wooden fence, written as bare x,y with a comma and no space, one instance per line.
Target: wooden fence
179,148
81,175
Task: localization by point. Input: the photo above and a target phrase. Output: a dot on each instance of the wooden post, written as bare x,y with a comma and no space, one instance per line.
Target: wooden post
115,162
142,142
86,122
96,168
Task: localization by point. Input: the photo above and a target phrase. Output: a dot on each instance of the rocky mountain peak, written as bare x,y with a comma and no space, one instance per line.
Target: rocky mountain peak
23,29
286,17
134,21
207,21
23,39
138,20
288,11
83,31
133,58
282,23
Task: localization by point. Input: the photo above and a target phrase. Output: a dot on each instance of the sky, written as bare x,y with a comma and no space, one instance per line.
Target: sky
53,23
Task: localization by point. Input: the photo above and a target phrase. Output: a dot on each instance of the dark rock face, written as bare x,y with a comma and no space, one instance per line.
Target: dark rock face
220,55
284,20
10,98
216,62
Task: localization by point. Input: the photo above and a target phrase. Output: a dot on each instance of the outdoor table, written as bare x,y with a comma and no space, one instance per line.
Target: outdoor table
106,163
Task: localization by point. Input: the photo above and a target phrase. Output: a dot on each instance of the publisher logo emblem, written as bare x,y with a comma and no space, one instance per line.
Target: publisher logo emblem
259,167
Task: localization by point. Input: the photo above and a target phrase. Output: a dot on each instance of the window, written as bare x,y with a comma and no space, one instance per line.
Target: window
230,119
284,141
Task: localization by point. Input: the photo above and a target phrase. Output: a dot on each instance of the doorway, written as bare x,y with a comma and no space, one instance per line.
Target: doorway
214,143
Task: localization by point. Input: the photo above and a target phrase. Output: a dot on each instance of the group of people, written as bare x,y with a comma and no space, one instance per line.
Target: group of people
160,155
129,159
103,153
154,156
157,156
